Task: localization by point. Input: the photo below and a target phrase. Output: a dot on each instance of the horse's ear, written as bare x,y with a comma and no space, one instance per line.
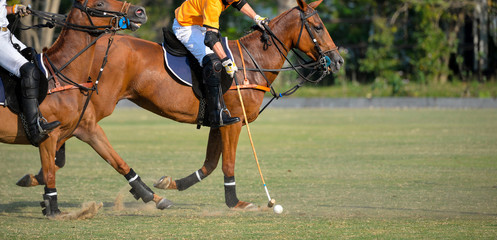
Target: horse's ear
302,5
315,4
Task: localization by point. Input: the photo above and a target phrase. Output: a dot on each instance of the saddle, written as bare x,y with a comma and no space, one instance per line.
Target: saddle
185,68
10,85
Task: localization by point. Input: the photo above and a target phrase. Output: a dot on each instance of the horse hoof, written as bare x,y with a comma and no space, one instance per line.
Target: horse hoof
163,182
26,181
163,204
245,206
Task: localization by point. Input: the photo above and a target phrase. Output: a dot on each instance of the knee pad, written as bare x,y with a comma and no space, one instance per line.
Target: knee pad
30,80
212,70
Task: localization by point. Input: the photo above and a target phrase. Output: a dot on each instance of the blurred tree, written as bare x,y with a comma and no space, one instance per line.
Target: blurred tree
435,35
284,5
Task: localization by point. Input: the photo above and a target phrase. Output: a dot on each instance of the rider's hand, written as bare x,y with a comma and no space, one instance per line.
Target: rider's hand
230,66
261,21
20,9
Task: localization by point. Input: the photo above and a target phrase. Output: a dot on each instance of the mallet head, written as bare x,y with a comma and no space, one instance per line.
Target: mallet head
271,203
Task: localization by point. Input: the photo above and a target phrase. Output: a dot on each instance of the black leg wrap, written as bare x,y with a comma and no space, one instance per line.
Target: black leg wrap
39,177
138,188
230,191
187,182
60,156
49,203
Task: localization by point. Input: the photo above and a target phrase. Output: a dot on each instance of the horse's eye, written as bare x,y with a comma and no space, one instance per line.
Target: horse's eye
319,28
100,4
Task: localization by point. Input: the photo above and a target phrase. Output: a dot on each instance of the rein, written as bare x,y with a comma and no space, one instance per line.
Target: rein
321,65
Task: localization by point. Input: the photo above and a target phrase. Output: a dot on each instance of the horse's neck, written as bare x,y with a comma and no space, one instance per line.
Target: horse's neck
273,57
69,44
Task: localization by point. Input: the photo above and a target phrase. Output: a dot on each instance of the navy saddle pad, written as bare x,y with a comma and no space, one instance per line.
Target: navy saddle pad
180,66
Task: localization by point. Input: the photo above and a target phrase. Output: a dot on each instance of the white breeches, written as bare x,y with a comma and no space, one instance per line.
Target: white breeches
193,39
10,58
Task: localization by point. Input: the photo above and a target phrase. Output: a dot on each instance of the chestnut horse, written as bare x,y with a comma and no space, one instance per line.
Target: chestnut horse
88,21
137,72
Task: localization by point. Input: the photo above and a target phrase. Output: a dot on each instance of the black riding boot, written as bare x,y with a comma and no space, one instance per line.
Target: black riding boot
218,114
37,128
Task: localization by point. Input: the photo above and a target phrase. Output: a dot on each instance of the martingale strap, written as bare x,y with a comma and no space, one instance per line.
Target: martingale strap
246,84
58,87
68,87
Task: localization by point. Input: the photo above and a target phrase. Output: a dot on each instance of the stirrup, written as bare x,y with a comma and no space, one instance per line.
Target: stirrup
221,111
228,117
41,129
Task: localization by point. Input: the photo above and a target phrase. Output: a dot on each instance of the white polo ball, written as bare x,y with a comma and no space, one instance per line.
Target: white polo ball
278,209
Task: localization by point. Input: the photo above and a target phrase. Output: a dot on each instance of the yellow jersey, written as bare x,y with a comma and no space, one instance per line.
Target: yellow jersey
201,12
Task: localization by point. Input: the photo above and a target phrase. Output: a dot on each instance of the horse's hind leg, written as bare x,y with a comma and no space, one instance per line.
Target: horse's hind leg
96,138
30,180
212,155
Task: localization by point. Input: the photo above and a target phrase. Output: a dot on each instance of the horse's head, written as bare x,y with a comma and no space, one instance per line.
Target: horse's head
117,14
313,38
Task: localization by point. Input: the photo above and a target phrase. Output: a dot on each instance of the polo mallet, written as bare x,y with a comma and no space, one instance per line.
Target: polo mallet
271,202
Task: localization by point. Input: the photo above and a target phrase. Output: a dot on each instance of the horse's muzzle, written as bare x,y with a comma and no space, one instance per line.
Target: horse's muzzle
336,61
137,16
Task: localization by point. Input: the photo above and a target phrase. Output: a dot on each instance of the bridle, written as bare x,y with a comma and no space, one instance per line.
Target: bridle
321,65
118,19
324,60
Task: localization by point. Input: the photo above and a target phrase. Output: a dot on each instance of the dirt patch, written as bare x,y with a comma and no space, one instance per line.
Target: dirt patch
88,210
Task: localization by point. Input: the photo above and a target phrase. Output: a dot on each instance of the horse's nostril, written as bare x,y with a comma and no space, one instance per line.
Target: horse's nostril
140,12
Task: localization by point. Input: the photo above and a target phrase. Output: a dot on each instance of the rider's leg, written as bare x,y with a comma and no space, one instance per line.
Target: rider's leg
218,115
37,129
10,59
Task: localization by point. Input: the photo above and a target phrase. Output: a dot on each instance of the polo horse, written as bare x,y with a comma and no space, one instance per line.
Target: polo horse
84,29
138,73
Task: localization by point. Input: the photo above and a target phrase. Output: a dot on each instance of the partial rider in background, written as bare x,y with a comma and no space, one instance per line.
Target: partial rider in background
12,60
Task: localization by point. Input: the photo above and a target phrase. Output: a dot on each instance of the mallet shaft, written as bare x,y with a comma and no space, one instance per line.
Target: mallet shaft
250,137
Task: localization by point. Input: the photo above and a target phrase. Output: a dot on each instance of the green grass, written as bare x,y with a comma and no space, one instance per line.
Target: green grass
339,174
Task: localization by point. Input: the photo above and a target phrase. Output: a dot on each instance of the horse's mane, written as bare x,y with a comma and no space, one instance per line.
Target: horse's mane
58,42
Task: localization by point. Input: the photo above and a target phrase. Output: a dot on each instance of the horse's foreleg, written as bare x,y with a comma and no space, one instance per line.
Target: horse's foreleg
212,155
30,180
230,135
98,141
47,154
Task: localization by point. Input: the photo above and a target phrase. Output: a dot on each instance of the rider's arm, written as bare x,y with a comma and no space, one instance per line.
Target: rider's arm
218,48
10,9
17,8
248,11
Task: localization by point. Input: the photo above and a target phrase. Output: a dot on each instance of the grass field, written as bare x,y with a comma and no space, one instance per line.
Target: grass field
339,174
